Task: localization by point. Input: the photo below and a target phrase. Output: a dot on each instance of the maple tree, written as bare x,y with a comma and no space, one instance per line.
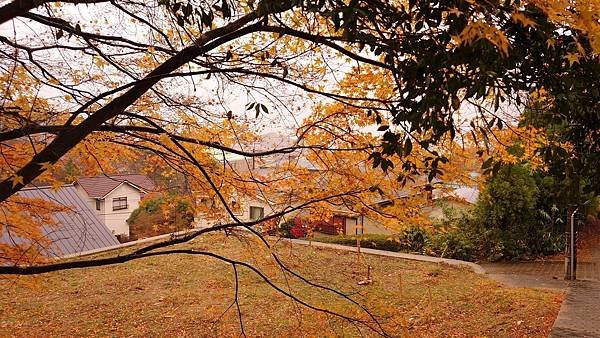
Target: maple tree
98,83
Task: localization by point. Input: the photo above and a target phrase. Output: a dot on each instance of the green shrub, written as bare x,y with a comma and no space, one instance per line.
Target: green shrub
454,244
149,205
415,238
160,214
135,214
183,206
153,205
508,201
510,220
394,243
285,229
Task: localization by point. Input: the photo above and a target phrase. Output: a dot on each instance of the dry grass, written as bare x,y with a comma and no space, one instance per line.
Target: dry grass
179,295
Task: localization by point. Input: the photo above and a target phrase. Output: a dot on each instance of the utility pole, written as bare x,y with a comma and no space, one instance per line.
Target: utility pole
571,246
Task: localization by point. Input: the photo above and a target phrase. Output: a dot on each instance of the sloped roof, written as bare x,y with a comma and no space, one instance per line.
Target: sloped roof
461,192
469,194
100,186
78,230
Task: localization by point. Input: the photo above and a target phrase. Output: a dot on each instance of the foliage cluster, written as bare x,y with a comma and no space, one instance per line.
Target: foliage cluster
292,229
160,214
515,218
131,87
415,239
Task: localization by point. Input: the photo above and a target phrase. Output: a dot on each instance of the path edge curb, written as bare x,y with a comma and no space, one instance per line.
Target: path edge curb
478,269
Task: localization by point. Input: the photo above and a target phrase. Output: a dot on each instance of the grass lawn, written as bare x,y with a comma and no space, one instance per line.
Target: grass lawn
184,295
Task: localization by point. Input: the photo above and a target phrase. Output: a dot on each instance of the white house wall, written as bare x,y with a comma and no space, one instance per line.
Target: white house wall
368,225
243,214
116,220
90,201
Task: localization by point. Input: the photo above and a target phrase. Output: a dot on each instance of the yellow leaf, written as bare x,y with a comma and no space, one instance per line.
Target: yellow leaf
479,29
164,139
56,185
47,166
523,19
16,179
100,62
572,58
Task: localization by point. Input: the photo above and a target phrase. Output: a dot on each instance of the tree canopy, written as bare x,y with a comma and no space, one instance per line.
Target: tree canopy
381,95
76,86
430,56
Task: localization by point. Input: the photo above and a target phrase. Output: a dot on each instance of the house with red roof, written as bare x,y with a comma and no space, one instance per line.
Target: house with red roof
114,197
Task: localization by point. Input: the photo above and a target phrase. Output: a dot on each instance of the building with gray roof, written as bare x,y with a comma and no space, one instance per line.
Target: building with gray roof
79,229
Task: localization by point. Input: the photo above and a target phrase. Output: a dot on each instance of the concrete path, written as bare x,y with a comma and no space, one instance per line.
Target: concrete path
545,269
537,275
579,315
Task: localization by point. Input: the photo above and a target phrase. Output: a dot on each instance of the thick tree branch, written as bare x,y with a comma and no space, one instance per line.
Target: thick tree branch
20,7
67,140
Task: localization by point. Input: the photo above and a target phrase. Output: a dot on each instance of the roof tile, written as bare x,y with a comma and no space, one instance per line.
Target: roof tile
99,186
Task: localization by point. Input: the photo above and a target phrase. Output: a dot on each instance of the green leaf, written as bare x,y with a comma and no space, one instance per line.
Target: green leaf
264,109
496,167
407,146
487,163
455,102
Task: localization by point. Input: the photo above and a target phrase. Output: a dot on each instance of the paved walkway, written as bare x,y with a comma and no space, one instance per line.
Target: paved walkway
579,315
547,269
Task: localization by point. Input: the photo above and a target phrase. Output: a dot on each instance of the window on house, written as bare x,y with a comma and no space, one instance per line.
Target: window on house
256,213
119,203
97,204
